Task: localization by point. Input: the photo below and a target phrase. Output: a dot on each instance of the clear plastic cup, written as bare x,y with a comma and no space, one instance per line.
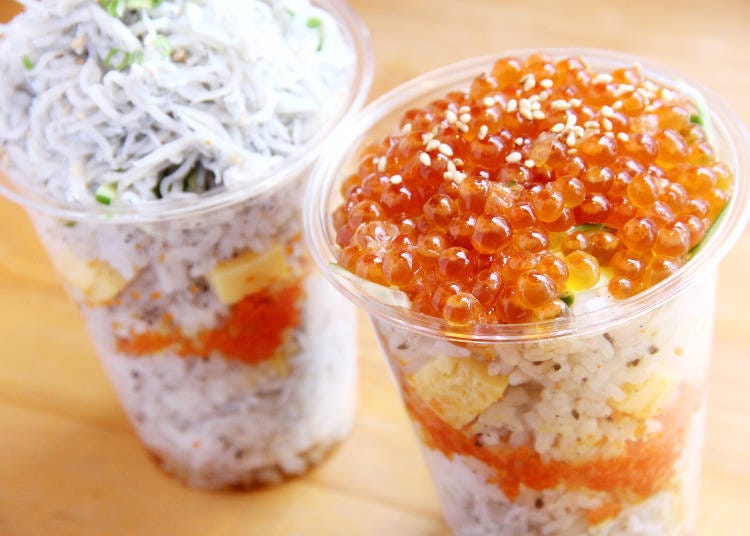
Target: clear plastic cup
591,424
233,357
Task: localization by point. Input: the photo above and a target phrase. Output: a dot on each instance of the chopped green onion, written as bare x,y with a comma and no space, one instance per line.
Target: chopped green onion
27,63
162,46
139,4
589,227
116,8
128,59
68,223
106,193
696,119
568,299
317,22
108,60
711,230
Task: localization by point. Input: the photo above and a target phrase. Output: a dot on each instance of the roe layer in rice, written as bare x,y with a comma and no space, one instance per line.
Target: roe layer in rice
162,148
528,245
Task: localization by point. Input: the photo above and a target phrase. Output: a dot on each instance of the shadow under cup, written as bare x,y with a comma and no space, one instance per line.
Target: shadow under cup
591,424
233,357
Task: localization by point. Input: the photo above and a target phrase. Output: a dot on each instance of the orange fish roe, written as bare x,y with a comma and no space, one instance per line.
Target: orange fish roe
256,327
493,203
645,467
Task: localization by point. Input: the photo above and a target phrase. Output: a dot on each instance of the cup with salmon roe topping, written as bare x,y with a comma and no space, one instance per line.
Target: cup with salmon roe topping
536,240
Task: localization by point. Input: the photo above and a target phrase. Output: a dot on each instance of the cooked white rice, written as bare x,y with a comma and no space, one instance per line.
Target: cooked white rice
217,422
559,403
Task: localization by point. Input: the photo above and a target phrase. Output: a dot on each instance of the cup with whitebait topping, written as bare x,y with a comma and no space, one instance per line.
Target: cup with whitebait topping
161,153
536,238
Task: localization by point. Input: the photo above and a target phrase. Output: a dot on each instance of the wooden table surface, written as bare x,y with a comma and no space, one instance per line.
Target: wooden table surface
69,463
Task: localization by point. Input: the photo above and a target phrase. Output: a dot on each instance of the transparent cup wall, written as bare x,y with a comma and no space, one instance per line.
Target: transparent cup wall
581,435
233,357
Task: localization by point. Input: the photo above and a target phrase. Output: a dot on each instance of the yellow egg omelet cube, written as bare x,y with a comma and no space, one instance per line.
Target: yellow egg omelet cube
96,279
236,278
458,390
646,399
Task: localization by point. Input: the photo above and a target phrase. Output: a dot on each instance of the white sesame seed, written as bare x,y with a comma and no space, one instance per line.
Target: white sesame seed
514,157
529,163
591,125
546,83
607,124
607,111
648,84
603,140
463,127
623,137
529,83
518,141
646,93
446,149
668,95
527,114
425,159
524,103
557,128
458,161
381,164
427,137
577,130
572,151
650,108
78,43
483,130
623,89
571,120
451,166
459,177
451,116
448,175
464,109
603,78
512,106
571,139
465,118
575,103
536,105
406,129
538,114
397,179
560,104
488,101
433,145
617,105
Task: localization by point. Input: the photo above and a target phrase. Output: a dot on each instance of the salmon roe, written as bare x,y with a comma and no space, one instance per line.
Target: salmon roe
494,203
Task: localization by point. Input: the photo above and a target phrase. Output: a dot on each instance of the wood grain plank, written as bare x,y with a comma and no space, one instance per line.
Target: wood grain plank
69,462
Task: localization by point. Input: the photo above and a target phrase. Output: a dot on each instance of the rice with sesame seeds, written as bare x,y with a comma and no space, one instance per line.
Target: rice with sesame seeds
561,405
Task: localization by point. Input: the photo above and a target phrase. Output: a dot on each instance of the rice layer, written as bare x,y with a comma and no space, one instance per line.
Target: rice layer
596,434
211,418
